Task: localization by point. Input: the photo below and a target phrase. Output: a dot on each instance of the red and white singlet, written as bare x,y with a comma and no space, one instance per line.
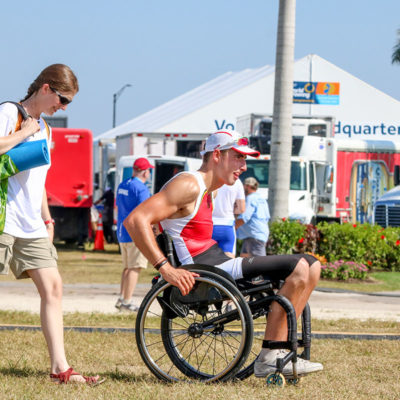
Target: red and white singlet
192,234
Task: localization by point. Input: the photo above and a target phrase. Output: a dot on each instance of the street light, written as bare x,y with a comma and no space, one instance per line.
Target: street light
115,98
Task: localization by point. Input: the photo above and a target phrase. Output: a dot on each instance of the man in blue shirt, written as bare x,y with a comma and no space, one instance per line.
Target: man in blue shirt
130,194
252,225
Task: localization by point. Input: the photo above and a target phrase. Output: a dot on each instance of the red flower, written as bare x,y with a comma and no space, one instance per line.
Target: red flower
397,242
301,240
354,225
383,237
283,219
369,262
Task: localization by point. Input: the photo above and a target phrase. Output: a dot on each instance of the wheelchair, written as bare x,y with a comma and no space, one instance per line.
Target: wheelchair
208,334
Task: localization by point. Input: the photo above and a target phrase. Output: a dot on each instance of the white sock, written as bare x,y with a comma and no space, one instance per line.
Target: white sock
126,301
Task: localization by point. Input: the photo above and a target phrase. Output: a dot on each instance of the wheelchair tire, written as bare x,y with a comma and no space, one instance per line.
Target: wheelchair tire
206,335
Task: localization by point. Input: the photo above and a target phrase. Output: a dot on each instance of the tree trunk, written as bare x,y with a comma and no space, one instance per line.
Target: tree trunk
281,140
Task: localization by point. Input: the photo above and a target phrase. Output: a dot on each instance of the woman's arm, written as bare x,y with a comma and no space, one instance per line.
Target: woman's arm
28,128
47,217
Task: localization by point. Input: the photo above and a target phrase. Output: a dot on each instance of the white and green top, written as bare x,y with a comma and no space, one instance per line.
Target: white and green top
21,194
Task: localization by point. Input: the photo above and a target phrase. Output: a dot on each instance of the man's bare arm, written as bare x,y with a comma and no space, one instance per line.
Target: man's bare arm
240,206
175,199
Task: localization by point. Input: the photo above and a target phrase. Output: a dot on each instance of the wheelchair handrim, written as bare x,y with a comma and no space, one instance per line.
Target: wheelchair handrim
162,286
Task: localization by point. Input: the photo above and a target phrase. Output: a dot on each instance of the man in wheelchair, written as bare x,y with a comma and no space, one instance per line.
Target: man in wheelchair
183,208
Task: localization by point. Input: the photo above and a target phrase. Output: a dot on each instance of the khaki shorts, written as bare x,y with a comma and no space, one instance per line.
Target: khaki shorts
25,254
132,257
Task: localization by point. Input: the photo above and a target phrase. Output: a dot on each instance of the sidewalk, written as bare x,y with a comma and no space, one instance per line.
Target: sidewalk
325,304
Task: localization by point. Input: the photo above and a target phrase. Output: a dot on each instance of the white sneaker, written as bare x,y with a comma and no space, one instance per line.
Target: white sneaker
304,367
118,303
129,307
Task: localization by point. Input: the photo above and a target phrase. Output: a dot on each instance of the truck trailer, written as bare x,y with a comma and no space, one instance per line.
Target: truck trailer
69,183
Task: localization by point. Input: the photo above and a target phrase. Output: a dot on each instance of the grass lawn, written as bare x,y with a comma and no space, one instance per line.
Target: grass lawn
91,266
378,282
105,267
362,370
353,369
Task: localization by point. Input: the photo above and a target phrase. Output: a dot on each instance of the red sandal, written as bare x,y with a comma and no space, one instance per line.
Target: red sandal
64,377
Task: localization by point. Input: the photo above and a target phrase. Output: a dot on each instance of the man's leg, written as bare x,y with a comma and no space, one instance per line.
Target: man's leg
297,288
134,262
131,277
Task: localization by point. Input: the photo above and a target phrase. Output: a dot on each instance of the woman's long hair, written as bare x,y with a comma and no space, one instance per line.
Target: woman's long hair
58,76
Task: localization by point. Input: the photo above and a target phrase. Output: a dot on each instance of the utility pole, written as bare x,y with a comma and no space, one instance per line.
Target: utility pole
115,98
281,136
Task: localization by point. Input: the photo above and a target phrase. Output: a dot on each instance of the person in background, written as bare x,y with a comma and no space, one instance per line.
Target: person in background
130,194
229,201
252,225
26,244
108,213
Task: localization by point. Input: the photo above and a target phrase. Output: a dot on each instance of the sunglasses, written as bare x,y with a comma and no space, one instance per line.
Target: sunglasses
244,141
63,100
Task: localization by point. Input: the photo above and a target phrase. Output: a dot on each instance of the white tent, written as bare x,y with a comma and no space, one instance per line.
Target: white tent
361,111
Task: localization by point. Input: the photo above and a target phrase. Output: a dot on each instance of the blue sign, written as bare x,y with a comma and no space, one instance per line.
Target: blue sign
325,93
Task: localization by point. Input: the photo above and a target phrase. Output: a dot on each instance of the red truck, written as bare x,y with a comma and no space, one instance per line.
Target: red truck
69,183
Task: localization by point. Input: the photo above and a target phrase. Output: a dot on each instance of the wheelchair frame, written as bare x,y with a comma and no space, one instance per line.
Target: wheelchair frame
208,334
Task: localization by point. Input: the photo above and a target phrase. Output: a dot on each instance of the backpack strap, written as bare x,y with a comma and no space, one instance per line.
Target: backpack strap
47,128
23,115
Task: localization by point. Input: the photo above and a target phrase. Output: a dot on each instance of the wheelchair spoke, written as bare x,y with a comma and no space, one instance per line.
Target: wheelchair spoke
186,338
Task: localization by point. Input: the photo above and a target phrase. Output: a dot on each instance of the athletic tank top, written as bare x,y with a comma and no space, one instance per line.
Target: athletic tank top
192,234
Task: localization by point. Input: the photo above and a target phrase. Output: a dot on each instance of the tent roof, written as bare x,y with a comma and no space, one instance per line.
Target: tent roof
190,101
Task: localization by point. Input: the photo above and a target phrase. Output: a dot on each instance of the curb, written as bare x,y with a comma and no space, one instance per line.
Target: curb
315,335
380,294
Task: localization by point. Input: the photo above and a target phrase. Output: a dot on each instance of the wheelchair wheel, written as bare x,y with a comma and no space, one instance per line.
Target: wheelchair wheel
206,335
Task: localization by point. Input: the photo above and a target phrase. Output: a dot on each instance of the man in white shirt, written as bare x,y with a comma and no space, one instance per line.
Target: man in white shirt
230,200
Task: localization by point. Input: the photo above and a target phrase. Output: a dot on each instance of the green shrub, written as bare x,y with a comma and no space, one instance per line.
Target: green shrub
371,245
285,236
365,244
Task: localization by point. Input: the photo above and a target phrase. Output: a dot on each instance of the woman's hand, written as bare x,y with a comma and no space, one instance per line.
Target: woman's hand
29,127
50,231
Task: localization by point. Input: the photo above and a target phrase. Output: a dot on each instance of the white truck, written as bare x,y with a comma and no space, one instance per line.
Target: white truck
169,144
312,194
165,167
331,179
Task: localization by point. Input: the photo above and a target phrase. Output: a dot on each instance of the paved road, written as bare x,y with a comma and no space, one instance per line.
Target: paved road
22,296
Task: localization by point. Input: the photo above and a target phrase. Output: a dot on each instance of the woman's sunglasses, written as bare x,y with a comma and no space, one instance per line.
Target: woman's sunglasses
63,100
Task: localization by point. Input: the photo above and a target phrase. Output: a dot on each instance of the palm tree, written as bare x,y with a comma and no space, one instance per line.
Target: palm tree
396,50
281,143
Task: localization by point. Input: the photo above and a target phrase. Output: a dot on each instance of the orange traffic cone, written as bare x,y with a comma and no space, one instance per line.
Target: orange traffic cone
99,238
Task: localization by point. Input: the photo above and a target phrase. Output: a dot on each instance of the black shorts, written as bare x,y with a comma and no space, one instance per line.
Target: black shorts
277,267
212,256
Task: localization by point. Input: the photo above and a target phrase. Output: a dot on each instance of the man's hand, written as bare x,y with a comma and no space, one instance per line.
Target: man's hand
181,278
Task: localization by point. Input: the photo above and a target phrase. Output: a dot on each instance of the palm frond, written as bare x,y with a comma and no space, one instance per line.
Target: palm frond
396,50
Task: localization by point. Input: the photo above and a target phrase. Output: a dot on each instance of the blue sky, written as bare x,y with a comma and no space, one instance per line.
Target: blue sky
165,48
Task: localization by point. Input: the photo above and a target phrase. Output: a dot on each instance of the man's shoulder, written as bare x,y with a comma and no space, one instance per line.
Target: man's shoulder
184,187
